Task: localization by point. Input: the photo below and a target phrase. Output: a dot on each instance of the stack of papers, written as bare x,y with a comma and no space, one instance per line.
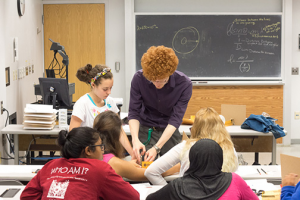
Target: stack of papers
37,116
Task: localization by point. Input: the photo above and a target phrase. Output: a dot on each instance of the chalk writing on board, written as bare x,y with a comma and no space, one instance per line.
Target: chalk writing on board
272,28
146,27
216,46
245,62
186,40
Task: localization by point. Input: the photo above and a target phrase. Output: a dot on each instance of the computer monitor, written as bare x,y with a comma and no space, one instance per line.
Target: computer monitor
55,91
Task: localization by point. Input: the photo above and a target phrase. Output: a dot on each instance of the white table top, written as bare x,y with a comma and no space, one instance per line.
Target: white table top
17,196
144,189
18,172
233,130
249,172
18,129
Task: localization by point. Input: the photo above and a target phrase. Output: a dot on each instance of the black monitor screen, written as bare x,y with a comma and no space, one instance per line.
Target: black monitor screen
55,91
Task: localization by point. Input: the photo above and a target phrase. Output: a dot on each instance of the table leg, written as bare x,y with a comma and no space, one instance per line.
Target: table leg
273,151
16,141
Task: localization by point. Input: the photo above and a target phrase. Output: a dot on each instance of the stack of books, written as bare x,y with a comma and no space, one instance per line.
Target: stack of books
37,116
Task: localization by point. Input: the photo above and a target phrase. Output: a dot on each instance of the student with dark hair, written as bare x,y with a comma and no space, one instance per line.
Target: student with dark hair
80,173
87,107
108,124
204,178
290,187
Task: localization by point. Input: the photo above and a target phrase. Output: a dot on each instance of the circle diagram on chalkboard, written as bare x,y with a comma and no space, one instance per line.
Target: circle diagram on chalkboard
245,67
186,40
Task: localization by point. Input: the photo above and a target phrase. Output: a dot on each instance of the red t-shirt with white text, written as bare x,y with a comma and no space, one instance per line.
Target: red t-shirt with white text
78,178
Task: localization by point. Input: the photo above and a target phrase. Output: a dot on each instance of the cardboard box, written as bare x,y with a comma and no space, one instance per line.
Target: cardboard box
235,112
289,164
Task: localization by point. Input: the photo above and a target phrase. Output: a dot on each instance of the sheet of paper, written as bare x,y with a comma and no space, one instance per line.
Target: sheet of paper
39,108
261,184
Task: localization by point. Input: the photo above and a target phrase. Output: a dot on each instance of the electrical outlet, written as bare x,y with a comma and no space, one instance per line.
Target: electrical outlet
1,107
295,70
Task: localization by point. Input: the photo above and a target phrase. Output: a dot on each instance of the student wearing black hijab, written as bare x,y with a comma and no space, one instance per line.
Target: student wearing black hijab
204,178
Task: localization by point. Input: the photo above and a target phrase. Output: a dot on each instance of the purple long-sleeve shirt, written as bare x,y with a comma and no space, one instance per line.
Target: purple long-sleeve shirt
159,107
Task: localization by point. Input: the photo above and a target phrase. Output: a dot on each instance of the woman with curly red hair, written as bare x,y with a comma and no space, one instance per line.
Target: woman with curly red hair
158,100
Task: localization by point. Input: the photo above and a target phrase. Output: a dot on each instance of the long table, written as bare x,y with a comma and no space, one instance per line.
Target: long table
236,131
247,172
17,196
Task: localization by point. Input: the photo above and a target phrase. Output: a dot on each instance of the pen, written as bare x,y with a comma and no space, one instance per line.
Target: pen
263,170
258,171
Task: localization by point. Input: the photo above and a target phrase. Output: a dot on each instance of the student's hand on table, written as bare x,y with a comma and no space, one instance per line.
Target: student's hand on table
137,146
289,180
134,163
150,154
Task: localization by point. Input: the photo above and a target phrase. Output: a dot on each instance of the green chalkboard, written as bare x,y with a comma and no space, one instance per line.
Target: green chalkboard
216,46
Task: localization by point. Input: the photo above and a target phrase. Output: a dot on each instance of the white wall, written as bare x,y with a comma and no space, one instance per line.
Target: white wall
295,80
2,64
30,48
20,91
208,6
114,40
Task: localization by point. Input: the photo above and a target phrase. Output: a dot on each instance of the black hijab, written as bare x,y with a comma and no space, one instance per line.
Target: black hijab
204,178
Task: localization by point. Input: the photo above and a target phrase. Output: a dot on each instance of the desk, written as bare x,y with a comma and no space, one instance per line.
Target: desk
17,129
17,196
144,189
236,131
18,172
249,172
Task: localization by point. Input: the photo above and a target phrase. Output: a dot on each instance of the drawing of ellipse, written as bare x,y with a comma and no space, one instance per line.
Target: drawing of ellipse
244,67
186,40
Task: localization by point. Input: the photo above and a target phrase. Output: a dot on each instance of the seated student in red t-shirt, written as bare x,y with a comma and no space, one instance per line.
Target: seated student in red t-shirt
80,174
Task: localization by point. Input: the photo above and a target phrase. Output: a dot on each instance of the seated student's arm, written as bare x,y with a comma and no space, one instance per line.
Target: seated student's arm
127,169
172,170
33,190
289,191
75,122
115,187
162,164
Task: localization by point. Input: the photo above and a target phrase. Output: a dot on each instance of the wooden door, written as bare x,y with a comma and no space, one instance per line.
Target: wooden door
80,28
